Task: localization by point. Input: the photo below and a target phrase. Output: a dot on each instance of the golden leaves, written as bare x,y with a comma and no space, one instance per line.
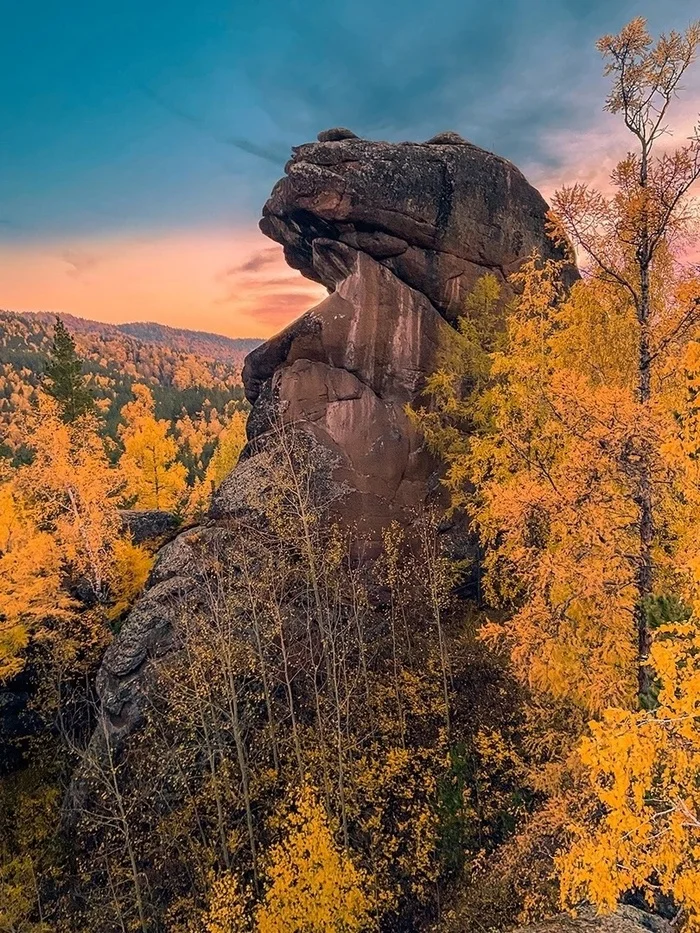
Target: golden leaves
154,480
314,887
60,526
644,771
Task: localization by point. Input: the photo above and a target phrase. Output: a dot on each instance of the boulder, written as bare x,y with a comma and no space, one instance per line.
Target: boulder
449,138
336,134
148,524
624,920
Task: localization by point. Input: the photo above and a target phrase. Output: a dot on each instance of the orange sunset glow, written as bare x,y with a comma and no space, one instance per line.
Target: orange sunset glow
234,281
231,282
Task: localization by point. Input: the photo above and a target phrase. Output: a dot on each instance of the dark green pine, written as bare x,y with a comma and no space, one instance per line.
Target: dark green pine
64,379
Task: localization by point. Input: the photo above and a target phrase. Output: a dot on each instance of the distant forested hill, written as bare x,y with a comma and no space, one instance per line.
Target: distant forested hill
195,377
198,342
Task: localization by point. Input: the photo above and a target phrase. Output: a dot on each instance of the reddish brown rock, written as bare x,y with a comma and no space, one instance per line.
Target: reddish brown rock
398,234
346,370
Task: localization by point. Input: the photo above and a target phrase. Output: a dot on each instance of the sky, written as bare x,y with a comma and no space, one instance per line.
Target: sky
139,139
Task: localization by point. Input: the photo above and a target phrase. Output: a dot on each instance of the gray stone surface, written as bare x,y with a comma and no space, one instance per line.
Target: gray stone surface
624,920
438,214
148,524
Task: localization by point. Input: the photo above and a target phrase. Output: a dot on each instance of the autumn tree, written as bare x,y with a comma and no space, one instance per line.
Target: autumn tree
72,490
314,886
628,234
571,442
62,545
231,442
638,828
227,910
64,380
229,445
30,580
564,463
154,478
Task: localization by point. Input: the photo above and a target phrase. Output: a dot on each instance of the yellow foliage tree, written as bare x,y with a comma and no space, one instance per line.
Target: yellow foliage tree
227,911
131,567
60,529
574,500
315,888
578,465
544,478
232,440
642,829
154,479
632,236
71,490
30,580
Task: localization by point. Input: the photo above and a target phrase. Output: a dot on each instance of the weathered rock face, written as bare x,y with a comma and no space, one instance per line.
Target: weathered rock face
398,234
346,371
148,524
437,214
148,633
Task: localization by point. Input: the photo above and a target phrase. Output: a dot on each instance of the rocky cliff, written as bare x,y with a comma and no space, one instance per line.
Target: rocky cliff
398,233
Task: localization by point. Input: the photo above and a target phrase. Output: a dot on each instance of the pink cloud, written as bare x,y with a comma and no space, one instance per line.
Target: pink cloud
589,155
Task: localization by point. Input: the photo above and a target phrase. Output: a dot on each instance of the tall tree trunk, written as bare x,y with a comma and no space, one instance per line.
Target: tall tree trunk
645,570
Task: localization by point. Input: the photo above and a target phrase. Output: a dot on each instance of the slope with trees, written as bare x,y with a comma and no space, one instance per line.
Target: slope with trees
484,722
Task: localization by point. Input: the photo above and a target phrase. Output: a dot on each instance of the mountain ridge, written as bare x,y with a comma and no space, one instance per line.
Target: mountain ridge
199,342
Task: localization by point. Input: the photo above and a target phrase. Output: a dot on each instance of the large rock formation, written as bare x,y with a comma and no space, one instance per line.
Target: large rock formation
436,214
398,233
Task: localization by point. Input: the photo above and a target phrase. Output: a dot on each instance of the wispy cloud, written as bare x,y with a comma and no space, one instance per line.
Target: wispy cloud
259,260
590,154
80,261
263,287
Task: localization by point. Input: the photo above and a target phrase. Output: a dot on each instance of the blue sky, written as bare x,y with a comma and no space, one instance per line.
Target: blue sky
139,139
163,114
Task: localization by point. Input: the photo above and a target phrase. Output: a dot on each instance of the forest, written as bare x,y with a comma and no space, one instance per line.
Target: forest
427,740
195,381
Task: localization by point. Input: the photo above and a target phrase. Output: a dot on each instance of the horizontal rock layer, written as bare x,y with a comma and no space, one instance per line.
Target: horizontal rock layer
438,214
624,920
